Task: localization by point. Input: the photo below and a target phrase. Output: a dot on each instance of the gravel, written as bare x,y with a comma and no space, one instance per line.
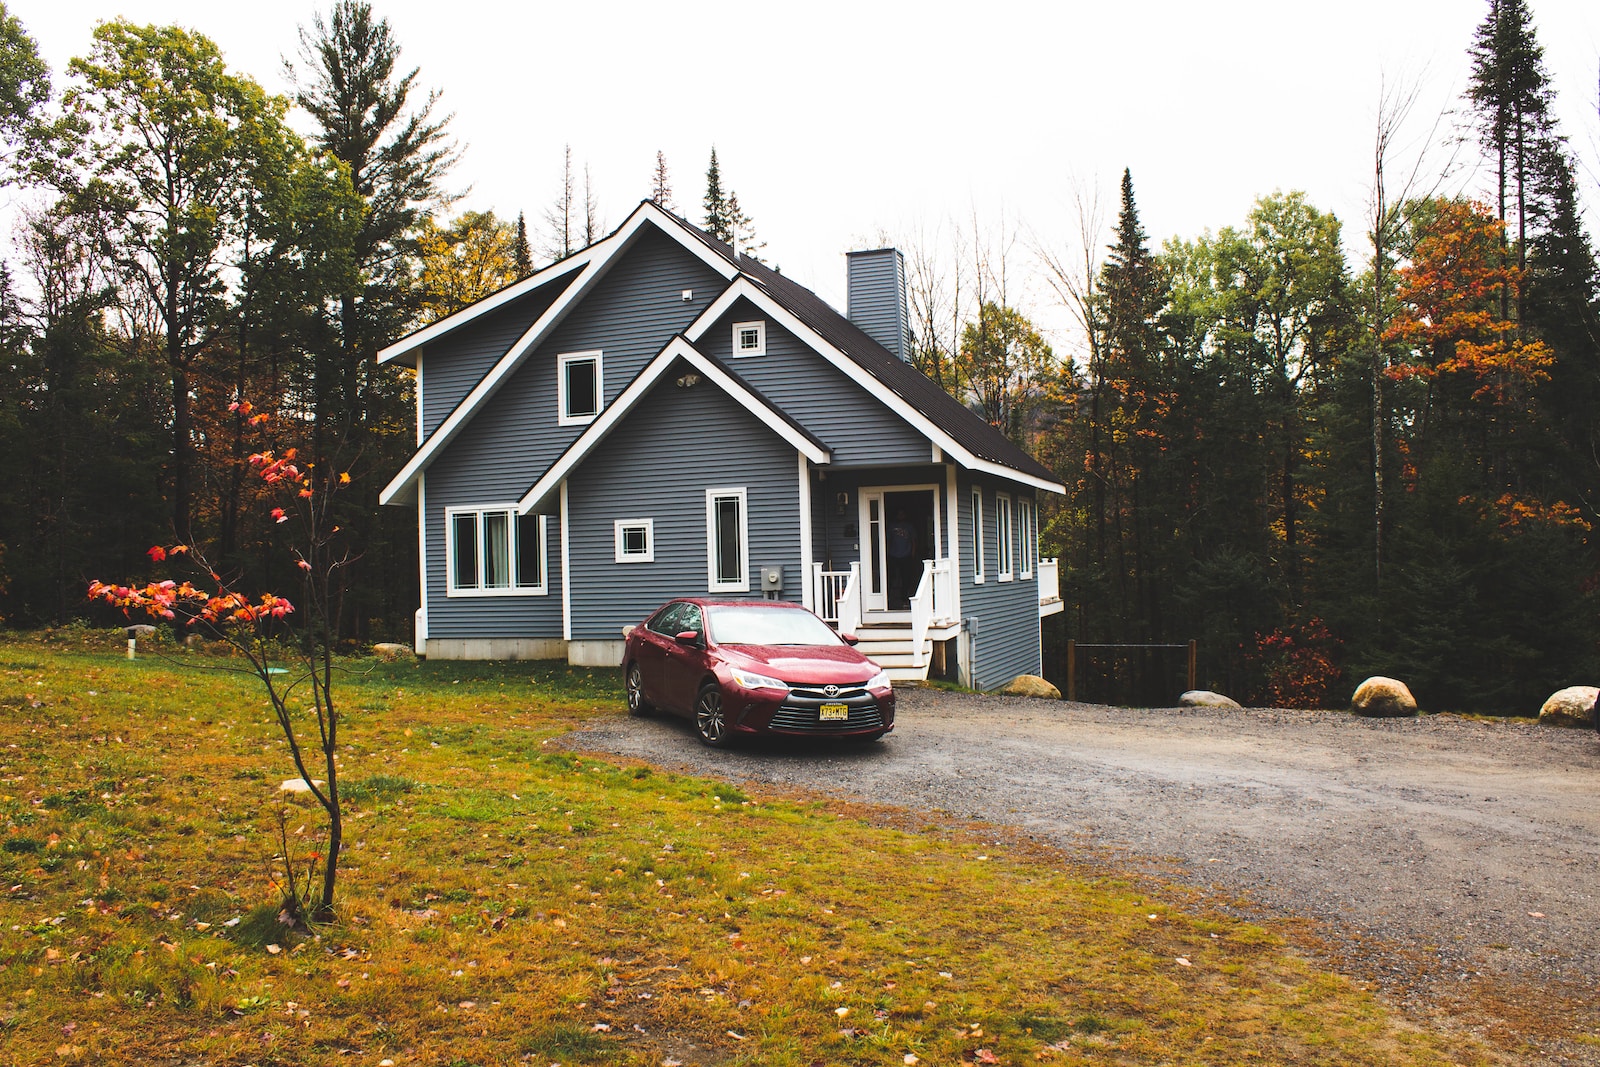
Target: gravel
1439,855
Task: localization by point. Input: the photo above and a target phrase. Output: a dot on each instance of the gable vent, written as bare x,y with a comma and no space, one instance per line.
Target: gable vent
877,298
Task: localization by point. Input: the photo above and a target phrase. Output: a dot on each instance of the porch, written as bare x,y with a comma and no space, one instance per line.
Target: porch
903,642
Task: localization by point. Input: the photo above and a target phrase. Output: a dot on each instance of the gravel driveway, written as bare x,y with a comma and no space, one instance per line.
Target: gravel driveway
1443,856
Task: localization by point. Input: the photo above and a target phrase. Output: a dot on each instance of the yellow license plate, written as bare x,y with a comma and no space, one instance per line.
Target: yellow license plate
834,712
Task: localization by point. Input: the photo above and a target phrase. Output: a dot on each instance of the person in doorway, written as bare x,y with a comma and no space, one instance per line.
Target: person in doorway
902,560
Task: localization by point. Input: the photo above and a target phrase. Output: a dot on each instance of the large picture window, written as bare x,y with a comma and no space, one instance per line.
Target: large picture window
727,545
1004,539
581,382
495,552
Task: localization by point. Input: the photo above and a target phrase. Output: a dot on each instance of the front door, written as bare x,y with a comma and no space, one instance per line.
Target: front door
899,529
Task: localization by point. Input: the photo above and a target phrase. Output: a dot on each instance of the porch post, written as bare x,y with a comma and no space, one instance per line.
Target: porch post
807,591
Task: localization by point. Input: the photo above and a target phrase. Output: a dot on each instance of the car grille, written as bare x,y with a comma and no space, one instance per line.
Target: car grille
799,711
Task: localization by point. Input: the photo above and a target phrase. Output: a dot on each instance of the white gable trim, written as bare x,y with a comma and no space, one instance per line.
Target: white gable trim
742,287
619,408
537,280
601,256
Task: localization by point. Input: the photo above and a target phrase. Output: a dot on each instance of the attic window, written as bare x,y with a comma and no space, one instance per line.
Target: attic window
580,381
750,338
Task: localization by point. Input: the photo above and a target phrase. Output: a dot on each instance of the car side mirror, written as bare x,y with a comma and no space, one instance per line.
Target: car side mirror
688,637
850,639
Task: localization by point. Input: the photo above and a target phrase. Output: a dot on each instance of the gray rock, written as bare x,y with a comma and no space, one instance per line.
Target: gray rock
1030,685
391,650
1204,698
1383,698
1572,706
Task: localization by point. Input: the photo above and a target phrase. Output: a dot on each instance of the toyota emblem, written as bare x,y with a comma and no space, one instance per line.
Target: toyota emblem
831,690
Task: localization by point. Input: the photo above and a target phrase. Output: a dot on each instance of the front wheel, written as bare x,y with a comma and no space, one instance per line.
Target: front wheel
637,704
709,722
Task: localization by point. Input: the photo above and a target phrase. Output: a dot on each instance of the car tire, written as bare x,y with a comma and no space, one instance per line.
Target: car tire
709,721
637,704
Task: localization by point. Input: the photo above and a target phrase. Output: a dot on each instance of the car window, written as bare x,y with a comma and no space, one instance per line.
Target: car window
665,621
690,619
769,626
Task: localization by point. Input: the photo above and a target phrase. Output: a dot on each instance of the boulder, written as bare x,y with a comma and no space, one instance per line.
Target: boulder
1383,698
391,650
1204,698
1573,706
1030,685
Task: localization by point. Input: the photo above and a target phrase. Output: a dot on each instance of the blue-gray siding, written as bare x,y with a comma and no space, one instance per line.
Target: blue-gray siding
658,465
856,426
837,537
876,298
449,368
1006,641
630,315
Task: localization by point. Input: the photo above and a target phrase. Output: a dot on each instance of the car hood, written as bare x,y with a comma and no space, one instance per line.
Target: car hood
819,664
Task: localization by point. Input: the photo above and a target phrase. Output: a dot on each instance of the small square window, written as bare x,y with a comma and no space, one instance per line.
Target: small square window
635,541
580,381
750,338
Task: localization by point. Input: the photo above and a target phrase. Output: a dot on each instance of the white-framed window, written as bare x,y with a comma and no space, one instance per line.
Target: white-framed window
750,338
580,381
977,536
1004,541
493,551
636,540
1028,535
727,540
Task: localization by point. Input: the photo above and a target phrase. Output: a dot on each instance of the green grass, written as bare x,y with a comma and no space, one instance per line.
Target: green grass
505,902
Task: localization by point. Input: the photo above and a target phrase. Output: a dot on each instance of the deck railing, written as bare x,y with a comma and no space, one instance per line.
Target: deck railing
827,589
1049,581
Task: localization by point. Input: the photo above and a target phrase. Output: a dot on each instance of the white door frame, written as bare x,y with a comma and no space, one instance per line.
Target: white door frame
876,603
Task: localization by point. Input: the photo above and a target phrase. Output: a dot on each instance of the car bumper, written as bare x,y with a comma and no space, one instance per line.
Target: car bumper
799,713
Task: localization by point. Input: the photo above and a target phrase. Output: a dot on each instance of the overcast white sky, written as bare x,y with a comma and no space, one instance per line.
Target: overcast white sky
838,121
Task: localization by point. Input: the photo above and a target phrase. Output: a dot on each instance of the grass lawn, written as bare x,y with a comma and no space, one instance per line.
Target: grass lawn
502,902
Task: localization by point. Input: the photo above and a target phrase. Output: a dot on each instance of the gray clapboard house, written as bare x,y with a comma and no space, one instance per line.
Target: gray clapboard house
659,416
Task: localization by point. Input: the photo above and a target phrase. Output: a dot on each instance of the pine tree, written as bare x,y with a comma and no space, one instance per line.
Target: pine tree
520,249
719,220
591,210
661,184
558,217
1511,93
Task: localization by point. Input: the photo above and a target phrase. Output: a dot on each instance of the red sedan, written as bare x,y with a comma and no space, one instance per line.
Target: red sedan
748,667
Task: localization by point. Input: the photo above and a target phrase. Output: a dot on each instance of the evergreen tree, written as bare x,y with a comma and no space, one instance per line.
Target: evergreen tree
719,220
520,250
1511,94
661,184
559,216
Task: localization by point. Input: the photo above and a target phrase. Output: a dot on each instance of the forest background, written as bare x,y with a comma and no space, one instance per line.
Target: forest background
1320,454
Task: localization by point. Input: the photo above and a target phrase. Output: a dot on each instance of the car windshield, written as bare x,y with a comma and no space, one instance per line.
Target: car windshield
768,626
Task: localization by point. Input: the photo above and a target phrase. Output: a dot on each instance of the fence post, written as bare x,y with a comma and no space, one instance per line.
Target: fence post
1072,669
1193,647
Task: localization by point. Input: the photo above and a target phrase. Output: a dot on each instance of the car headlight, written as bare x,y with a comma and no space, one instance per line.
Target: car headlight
880,681
752,680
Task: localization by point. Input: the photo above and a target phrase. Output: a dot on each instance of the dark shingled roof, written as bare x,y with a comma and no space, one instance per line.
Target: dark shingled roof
897,376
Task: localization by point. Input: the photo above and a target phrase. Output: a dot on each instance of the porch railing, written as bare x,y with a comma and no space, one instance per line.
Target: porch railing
827,589
934,602
1049,581
849,603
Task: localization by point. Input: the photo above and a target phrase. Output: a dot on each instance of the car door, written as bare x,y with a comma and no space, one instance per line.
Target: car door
652,651
685,664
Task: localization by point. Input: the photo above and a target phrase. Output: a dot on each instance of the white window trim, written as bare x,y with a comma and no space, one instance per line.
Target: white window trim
541,588
1005,538
760,326
562,418
712,496
1029,536
649,553
977,535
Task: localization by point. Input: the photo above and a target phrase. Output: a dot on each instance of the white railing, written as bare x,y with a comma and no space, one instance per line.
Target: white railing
944,591
921,612
849,603
827,587
1049,581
